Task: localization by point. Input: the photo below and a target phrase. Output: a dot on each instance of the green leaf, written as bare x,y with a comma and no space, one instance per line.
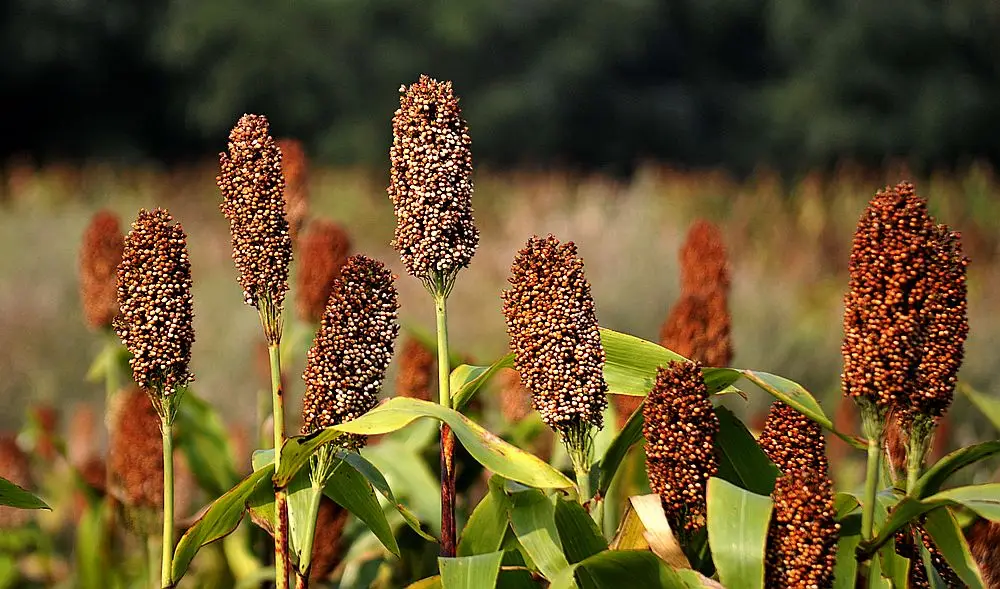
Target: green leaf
352,491
645,527
930,482
741,461
467,380
630,435
578,531
201,435
488,449
375,478
950,541
295,453
303,507
845,504
987,404
221,518
894,567
484,531
630,365
470,572
845,571
737,531
532,517
12,495
615,569
409,475
797,397
91,549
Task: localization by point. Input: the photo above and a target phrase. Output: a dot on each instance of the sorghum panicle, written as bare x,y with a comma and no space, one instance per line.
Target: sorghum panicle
100,254
154,294
325,248
431,183
984,544
793,441
704,262
347,362
917,574
295,166
16,468
698,328
417,369
136,451
802,537
555,337
680,425
253,201
515,398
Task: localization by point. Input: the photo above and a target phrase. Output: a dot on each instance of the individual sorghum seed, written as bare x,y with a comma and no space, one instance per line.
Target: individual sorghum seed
136,450
680,425
347,362
430,183
793,441
100,254
295,166
515,398
698,328
325,247
16,468
704,262
802,537
554,335
417,366
253,201
328,551
984,544
155,321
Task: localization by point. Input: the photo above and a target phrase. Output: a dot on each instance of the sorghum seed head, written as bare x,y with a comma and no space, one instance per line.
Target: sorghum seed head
704,263
698,328
100,254
680,425
555,337
253,201
154,295
327,550
416,371
793,441
136,450
917,575
347,362
295,166
802,538
905,316
984,543
515,398
16,468
430,183
325,247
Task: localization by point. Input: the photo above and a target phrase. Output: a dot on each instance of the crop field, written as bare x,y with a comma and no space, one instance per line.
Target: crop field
553,379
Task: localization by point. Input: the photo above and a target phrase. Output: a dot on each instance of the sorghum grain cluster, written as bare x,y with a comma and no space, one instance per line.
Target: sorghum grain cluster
325,247
802,538
793,441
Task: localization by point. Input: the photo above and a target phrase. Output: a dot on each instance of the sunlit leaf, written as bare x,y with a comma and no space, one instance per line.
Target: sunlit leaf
470,572
645,526
741,461
630,435
950,541
845,570
532,517
467,380
484,531
296,451
352,491
375,478
579,533
614,569
935,476
411,480
737,531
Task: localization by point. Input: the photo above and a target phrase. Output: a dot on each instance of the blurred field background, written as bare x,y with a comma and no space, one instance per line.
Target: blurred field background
789,243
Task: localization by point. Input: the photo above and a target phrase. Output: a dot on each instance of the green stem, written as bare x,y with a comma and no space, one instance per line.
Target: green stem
280,494
449,531
871,489
166,428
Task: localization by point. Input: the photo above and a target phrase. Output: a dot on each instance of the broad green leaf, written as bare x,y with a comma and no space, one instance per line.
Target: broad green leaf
484,531
303,507
797,397
578,531
296,451
467,380
876,578
845,504
12,495
894,567
375,478
630,435
470,572
631,363
201,435
488,449
532,517
352,491
615,569
645,527
930,482
950,541
741,461
428,583
988,405
845,571
219,520
737,531
409,475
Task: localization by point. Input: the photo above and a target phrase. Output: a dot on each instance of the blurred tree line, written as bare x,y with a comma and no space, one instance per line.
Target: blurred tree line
736,83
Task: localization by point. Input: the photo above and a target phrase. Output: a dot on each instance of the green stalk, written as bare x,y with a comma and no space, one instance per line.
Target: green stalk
166,567
280,494
449,531
872,426
921,431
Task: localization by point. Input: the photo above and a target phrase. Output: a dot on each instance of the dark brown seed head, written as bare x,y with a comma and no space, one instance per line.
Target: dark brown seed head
253,201
698,328
154,294
515,398
793,441
16,468
917,574
679,424
100,254
416,371
430,183
984,543
347,362
704,263
905,317
554,335
327,549
136,454
325,247
802,538
295,166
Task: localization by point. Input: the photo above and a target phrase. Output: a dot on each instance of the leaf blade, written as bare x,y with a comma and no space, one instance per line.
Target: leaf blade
737,531
470,572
